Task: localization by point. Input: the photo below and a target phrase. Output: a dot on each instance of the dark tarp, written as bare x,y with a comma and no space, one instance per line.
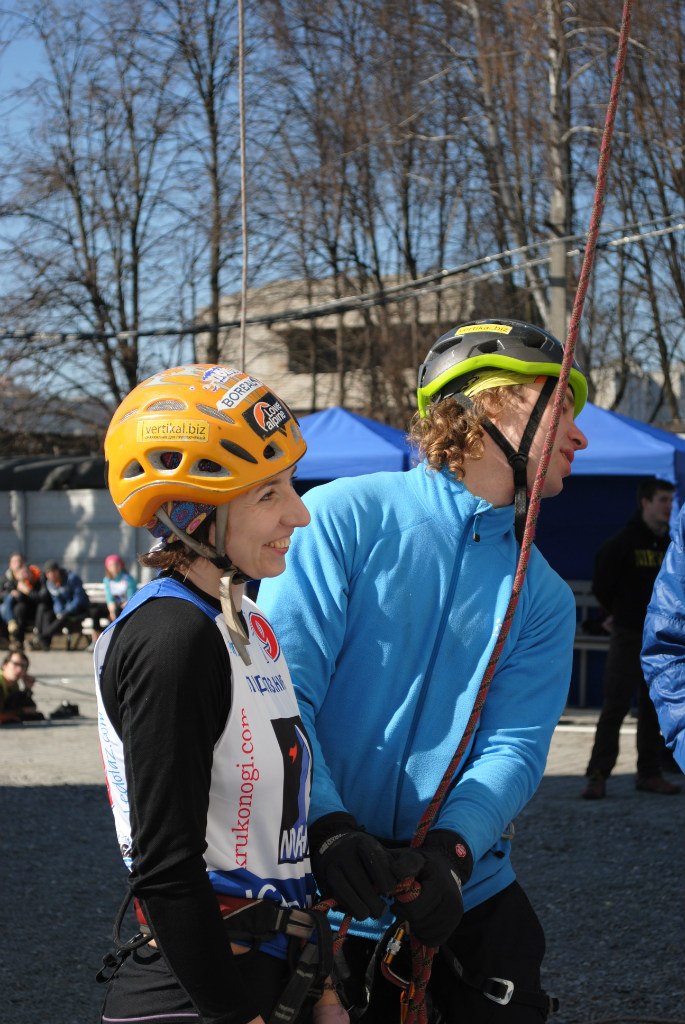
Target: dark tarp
600,495
52,473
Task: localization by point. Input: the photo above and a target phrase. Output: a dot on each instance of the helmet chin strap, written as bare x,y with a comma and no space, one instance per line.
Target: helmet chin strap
235,623
518,460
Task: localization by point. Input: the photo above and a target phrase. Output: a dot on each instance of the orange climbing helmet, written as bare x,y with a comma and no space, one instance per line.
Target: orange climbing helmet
199,433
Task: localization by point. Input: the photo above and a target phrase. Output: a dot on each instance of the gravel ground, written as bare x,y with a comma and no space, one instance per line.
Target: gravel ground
606,878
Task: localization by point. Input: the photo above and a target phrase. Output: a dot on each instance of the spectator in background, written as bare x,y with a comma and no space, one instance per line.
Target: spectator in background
63,598
7,585
22,587
119,585
16,697
625,570
9,580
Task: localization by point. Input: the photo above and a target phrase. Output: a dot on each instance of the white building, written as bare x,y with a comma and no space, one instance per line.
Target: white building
301,358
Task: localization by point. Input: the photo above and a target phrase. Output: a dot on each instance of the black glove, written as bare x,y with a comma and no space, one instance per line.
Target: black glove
438,909
350,866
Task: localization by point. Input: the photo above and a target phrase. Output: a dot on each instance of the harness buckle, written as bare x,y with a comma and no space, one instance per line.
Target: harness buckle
503,990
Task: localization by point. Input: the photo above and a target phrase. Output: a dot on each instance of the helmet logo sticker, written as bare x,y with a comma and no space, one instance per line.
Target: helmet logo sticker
239,390
167,376
267,416
172,430
219,376
265,635
480,328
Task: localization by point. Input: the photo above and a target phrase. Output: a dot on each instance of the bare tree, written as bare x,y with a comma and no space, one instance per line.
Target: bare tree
204,35
88,204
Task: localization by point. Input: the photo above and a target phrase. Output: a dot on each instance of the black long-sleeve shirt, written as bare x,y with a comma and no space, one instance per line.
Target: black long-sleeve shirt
166,688
625,569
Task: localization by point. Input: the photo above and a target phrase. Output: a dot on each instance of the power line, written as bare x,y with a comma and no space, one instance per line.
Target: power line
429,284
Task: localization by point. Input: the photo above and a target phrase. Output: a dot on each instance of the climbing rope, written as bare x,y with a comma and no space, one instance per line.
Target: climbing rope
422,956
416,1013
243,180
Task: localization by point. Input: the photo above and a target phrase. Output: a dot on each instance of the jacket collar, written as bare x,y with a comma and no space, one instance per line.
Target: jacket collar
454,507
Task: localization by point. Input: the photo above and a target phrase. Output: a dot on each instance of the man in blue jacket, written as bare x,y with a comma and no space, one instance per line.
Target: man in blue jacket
62,598
663,652
388,613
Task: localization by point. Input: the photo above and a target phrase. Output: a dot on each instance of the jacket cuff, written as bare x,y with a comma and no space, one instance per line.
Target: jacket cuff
455,848
330,825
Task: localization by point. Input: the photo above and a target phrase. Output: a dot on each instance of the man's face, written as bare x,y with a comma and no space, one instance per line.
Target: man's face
569,438
656,511
54,576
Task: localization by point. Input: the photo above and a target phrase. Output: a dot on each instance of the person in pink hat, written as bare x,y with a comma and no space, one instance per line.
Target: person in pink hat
119,585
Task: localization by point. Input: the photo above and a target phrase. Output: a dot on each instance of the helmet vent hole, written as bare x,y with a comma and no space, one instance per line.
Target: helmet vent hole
273,451
127,415
487,347
534,342
167,405
216,413
236,450
207,467
165,460
133,470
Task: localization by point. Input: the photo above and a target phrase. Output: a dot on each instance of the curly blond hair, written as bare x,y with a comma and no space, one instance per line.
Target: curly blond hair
449,434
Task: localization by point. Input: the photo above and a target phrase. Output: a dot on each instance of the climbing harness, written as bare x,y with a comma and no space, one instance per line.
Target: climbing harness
499,990
391,962
252,922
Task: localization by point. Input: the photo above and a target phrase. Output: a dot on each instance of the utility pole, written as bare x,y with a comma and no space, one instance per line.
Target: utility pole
557,272
558,207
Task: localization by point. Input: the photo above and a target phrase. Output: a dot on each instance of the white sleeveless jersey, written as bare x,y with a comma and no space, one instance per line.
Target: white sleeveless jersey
259,794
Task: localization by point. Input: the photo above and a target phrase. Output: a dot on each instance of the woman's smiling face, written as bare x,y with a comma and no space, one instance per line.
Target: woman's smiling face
260,524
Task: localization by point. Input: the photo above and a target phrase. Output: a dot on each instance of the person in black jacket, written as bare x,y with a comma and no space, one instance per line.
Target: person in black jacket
626,567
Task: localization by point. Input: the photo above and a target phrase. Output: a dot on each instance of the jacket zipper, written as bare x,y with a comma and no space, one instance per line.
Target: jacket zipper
429,671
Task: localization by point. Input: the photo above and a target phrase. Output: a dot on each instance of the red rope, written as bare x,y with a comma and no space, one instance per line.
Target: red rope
422,956
417,1010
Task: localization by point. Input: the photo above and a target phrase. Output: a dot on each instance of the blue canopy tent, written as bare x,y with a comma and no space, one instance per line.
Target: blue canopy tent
597,499
342,443
600,495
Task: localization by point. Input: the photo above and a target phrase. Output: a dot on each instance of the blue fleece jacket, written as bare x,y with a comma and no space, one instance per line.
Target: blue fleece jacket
388,612
663,652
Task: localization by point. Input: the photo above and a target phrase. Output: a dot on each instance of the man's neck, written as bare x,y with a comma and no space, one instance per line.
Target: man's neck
658,528
491,477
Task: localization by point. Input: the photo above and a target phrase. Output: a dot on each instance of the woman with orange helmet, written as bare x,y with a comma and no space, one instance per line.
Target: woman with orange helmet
206,760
